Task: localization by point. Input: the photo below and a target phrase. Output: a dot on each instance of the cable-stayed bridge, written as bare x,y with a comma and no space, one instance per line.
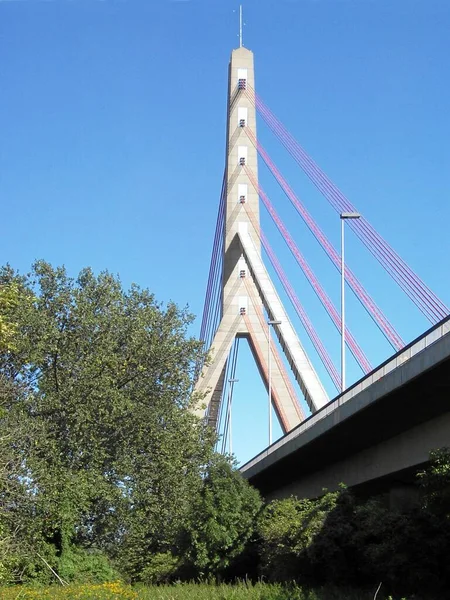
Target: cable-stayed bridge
242,301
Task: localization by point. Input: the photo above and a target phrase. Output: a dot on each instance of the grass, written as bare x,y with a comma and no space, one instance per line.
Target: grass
120,591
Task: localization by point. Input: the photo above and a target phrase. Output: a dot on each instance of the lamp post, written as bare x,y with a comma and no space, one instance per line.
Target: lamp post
230,397
269,368
344,217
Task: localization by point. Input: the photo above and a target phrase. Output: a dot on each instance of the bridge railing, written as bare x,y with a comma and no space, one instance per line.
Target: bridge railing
415,347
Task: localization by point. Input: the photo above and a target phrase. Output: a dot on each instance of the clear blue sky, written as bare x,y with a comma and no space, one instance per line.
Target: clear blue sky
112,133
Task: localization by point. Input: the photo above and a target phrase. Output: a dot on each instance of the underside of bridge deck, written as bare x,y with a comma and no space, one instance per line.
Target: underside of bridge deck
378,446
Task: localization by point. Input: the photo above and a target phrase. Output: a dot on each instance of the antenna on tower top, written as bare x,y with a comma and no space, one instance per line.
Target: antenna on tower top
240,27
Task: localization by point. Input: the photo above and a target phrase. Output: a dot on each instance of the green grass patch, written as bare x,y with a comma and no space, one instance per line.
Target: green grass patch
241,591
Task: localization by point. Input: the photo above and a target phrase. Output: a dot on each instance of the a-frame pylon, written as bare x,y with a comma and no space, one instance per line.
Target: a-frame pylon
246,285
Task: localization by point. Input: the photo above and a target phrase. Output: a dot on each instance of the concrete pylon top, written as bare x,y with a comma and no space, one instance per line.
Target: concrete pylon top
242,49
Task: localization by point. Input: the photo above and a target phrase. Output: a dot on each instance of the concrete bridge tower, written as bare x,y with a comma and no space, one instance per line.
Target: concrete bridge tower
249,298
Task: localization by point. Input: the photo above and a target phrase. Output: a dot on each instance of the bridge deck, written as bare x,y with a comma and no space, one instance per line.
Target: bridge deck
408,389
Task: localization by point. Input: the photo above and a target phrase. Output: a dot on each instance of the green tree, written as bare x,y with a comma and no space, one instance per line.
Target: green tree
117,454
435,483
17,430
223,519
287,530
339,540
9,300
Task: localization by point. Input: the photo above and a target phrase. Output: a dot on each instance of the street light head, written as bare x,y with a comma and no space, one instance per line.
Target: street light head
273,322
233,380
350,215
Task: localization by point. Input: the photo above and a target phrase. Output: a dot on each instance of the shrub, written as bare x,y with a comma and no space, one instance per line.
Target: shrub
161,568
223,520
86,566
287,529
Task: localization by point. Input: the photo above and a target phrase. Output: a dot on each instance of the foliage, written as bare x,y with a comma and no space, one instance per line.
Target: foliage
408,550
222,521
160,568
332,554
80,564
112,455
287,529
337,539
10,298
435,483
105,471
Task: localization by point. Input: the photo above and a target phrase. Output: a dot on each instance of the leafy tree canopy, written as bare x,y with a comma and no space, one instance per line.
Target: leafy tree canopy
101,378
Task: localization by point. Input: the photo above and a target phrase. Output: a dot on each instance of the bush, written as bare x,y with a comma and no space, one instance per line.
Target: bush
336,540
223,520
287,529
161,568
86,566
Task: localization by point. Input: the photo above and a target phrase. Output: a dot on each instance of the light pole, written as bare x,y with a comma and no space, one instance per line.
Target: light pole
344,217
269,369
230,397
